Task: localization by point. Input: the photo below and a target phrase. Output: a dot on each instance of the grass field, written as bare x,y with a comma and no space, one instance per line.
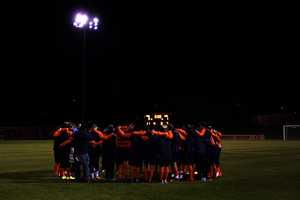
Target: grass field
268,169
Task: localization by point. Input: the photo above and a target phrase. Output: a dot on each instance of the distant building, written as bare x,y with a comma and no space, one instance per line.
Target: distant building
157,119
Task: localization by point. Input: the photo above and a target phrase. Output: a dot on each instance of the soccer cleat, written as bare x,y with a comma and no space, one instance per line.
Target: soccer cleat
63,177
165,181
137,181
97,177
203,179
112,179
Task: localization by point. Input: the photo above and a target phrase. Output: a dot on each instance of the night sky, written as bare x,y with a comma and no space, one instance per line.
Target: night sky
198,61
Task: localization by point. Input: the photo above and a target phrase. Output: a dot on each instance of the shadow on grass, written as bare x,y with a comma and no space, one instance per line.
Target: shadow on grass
44,176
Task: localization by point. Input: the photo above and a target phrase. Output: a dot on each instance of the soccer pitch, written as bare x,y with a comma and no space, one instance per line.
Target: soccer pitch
266,169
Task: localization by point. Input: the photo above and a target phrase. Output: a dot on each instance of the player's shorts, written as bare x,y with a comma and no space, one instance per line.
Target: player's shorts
57,156
182,157
123,154
64,160
175,157
162,162
190,158
94,160
150,159
136,161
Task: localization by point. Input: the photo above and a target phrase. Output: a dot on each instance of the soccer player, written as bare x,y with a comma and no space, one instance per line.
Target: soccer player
56,147
145,154
109,152
219,144
123,145
215,171
163,151
136,152
209,147
175,154
95,152
82,139
65,149
189,149
182,161
150,153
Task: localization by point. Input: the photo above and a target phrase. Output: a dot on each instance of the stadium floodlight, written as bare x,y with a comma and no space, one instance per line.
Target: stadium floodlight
81,22
94,24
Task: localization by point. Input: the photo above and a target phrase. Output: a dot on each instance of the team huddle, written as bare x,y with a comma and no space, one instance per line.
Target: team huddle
195,149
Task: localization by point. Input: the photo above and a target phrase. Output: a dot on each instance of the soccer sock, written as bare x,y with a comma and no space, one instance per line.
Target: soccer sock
161,173
120,171
151,173
208,175
96,171
184,169
138,170
131,172
68,171
181,175
124,169
190,167
192,172
55,169
215,172
146,173
193,168
176,172
166,173
211,171
92,172
62,172
219,171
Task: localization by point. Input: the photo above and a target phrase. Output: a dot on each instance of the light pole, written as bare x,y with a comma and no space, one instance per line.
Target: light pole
81,22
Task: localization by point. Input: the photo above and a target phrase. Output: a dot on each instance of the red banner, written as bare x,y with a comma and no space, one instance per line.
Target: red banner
280,119
26,133
243,137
